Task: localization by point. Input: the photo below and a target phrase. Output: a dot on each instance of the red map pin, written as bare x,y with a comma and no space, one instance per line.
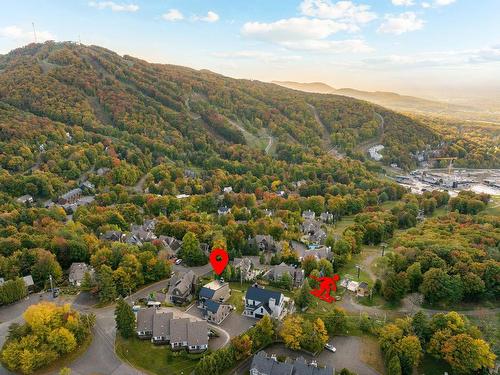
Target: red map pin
218,259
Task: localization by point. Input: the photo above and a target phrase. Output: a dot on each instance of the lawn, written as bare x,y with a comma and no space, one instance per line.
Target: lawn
493,207
432,366
342,224
153,358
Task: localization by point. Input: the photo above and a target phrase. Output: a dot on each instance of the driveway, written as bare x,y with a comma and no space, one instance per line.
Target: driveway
349,350
234,324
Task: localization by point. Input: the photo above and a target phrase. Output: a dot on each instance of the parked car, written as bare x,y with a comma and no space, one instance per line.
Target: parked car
330,347
178,261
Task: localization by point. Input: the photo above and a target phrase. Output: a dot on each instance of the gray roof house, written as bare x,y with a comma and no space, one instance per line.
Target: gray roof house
260,302
112,235
170,243
223,210
161,327
182,286
143,232
245,267
326,217
77,272
262,364
71,196
297,274
216,312
144,323
264,242
313,231
318,251
215,290
308,215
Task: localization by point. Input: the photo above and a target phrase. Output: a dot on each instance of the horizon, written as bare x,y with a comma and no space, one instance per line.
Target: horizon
439,49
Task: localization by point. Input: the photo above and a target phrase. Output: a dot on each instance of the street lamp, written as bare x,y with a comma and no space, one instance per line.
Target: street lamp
358,267
384,246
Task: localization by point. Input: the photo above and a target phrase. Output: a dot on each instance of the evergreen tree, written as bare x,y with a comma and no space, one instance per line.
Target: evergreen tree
125,319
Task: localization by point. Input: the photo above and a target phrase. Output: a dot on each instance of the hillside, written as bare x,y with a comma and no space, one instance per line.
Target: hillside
68,108
387,99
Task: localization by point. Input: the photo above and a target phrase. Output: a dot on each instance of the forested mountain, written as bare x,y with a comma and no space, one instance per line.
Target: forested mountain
148,113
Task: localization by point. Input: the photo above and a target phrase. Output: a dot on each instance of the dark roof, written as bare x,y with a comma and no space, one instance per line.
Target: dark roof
267,365
161,323
363,284
303,368
145,320
178,330
263,295
197,333
207,293
212,306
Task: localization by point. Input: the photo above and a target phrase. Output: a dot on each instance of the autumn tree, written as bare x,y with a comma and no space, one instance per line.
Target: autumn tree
291,331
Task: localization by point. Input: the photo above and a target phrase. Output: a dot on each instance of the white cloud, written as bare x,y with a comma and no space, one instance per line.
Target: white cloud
401,23
405,3
210,17
173,15
115,7
293,29
330,46
437,3
344,11
445,58
257,55
19,34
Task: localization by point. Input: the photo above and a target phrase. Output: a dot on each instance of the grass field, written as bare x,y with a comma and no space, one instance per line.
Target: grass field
155,359
493,207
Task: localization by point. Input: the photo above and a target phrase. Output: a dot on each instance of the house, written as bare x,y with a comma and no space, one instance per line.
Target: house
161,326
25,199
189,173
268,212
350,285
260,302
28,281
71,196
102,171
112,235
144,323
309,215
87,186
77,272
216,312
317,251
313,232
224,210
244,265
326,217
170,243
182,286
362,290
215,290
132,239
144,232
297,274
263,242
182,196
262,364
227,189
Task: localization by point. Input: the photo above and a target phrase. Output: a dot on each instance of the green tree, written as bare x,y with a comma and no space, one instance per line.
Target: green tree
395,287
304,296
414,273
191,252
394,366
336,322
105,284
125,319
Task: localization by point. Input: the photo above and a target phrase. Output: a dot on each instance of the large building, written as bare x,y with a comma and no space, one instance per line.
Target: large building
161,327
260,302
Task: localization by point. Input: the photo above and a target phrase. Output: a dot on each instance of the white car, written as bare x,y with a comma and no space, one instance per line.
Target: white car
331,348
178,261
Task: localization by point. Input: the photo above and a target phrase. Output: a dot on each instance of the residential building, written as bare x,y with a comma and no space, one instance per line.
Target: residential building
25,199
263,242
362,290
112,235
102,171
326,217
228,189
260,302
162,328
77,272
170,243
309,215
216,312
215,290
144,232
182,286
28,280
317,251
297,274
144,323
87,186
262,364
244,265
224,210
71,196
313,233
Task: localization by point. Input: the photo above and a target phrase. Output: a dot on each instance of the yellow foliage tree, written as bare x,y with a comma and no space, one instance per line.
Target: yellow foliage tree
291,331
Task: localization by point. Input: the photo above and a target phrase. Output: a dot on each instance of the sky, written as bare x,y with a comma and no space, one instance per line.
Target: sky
430,48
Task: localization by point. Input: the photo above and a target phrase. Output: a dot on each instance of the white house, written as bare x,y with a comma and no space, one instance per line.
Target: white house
260,302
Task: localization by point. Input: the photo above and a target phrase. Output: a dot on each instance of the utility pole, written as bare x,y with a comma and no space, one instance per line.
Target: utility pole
358,267
34,32
51,285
